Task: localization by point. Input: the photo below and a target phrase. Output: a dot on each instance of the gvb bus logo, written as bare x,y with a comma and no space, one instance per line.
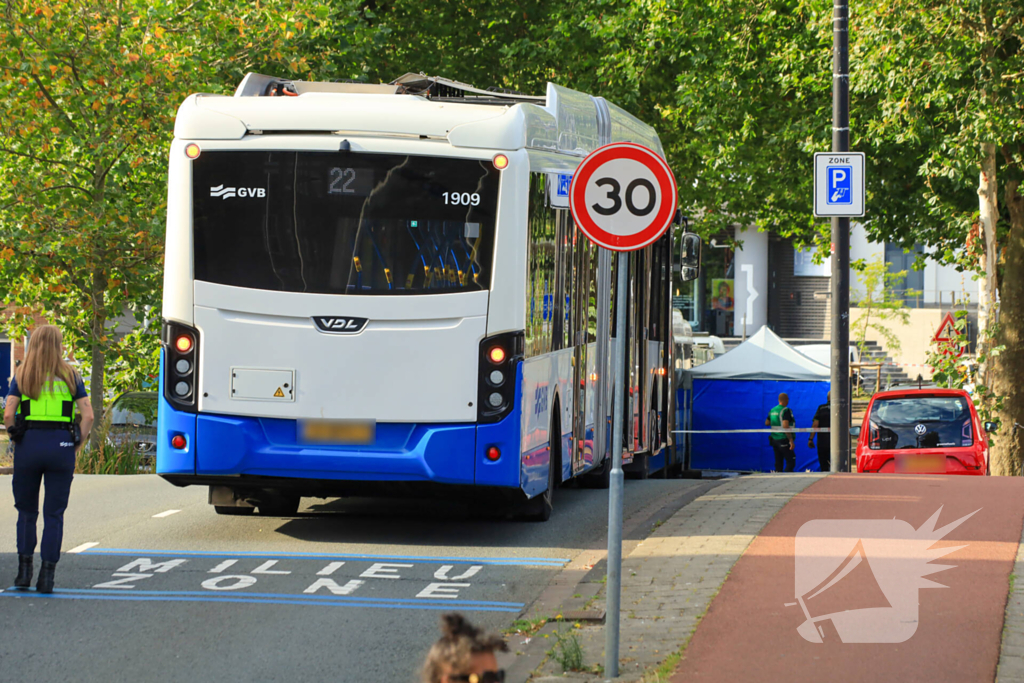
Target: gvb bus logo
229,192
857,580
840,185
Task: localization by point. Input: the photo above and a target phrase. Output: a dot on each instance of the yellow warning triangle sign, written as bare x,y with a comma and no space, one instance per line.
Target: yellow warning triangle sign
279,393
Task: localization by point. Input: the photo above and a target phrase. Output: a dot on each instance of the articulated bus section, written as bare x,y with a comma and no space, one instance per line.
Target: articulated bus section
388,296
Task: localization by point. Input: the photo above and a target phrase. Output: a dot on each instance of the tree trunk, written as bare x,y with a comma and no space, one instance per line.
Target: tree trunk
1007,370
98,360
988,205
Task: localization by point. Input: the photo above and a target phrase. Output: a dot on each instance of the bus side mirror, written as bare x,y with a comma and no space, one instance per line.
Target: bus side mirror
854,431
991,426
689,256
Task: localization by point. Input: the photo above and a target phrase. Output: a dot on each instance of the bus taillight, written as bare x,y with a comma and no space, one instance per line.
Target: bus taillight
499,356
183,343
180,360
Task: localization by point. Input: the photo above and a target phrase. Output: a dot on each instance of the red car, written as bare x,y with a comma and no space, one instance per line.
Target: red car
922,431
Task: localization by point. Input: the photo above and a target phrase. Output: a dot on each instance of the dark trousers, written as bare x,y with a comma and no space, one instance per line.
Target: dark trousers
42,456
824,456
784,455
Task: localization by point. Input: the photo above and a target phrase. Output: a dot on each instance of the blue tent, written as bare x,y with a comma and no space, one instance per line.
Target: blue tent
739,388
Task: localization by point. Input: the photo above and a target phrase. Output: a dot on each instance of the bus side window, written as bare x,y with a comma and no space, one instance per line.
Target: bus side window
541,286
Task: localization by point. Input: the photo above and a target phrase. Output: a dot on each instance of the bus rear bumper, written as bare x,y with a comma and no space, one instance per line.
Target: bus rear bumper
403,452
225,446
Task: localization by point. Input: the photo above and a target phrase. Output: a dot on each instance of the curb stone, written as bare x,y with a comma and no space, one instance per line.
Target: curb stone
1011,649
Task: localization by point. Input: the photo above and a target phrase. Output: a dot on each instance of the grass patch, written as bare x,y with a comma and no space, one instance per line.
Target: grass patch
6,453
567,651
526,627
111,459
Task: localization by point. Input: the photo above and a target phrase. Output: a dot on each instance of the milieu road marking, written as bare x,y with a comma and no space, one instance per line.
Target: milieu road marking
330,581
165,513
486,561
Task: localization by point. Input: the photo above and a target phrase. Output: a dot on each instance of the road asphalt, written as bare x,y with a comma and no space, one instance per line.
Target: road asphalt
154,586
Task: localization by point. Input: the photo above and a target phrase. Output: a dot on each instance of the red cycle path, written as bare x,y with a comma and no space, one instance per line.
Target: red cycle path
749,635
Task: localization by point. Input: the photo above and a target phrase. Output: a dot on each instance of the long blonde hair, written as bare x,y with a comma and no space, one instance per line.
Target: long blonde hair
43,361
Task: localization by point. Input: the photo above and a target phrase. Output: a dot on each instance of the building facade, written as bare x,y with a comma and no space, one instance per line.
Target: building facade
767,280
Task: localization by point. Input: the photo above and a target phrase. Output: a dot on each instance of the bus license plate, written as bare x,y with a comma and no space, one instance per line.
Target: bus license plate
341,432
921,464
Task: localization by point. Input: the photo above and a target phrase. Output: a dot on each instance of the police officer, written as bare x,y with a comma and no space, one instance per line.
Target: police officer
822,417
782,442
40,417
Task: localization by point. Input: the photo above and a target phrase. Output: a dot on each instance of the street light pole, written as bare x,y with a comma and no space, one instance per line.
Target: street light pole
839,426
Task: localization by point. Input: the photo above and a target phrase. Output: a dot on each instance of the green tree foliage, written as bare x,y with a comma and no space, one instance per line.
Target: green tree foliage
880,302
88,93
942,82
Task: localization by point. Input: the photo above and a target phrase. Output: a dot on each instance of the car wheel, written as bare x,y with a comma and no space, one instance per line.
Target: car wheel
232,510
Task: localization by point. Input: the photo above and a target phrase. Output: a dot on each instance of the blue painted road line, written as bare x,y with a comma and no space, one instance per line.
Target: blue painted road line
492,561
271,596
133,597
290,596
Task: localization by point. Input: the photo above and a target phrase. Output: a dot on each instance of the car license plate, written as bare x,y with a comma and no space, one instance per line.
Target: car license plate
921,464
340,432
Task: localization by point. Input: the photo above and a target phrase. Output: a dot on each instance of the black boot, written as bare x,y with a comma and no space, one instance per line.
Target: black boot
24,579
45,582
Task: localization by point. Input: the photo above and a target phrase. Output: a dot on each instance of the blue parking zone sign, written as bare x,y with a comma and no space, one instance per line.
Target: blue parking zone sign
564,181
840,185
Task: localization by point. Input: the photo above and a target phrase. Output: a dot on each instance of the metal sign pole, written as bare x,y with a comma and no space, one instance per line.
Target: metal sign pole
614,585
839,424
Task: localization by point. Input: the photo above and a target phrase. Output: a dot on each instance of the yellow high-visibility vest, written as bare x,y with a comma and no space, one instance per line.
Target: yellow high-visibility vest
55,404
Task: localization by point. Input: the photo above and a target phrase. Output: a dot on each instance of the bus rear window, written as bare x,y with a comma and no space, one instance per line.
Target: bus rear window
344,222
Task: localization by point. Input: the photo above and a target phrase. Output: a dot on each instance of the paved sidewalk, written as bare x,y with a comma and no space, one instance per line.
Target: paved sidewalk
670,578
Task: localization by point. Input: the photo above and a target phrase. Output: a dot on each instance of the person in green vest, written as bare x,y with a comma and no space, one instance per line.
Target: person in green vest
782,442
40,417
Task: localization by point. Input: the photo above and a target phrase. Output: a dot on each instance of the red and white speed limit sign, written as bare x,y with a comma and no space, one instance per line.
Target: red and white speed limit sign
623,196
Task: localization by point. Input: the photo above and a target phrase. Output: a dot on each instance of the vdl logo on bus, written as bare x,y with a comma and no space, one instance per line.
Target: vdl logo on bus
336,325
229,192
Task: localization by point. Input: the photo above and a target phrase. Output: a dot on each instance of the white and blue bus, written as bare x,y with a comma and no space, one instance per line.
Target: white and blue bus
379,290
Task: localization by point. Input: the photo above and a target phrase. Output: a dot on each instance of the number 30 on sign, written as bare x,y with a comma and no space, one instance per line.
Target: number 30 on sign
623,196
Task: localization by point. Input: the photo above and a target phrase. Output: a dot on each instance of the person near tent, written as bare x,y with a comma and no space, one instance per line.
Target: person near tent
823,417
782,442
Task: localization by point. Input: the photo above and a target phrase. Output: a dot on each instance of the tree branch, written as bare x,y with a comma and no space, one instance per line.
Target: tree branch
53,103
37,158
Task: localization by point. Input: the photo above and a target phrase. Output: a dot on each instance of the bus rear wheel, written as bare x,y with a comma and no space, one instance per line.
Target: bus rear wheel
279,505
600,477
231,510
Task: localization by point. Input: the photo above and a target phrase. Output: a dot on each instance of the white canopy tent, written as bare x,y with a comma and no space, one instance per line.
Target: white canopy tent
764,356
738,389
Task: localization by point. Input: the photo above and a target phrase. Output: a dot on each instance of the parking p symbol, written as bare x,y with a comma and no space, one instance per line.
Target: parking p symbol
840,185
